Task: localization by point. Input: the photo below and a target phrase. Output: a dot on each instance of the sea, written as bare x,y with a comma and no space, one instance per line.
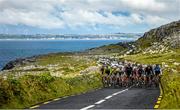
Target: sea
13,49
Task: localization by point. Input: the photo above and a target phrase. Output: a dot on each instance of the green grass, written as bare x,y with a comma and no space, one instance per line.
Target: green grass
64,64
27,85
170,80
170,84
30,89
108,50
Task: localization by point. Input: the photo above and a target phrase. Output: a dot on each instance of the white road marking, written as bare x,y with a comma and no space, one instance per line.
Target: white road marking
88,107
119,92
108,97
115,94
122,91
101,101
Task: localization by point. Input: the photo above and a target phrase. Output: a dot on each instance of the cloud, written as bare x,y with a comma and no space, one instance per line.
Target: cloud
55,14
147,6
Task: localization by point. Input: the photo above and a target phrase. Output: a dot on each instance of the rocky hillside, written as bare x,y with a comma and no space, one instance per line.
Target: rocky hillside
161,39
156,40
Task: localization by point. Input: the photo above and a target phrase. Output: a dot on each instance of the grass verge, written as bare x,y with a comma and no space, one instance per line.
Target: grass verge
32,89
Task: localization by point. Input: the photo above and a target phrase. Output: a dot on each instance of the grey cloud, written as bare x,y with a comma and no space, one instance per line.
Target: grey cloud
60,13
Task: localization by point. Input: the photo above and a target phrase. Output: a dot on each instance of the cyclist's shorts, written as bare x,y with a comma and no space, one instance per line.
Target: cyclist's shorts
128,75
147,75
139,75
151,76
157,73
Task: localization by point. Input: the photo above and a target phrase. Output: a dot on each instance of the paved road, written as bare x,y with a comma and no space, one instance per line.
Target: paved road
108,98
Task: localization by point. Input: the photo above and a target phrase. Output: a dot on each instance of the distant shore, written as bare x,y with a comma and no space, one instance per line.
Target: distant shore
13,49
123,40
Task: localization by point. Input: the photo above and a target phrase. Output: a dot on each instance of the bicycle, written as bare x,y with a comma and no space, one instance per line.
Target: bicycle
156,80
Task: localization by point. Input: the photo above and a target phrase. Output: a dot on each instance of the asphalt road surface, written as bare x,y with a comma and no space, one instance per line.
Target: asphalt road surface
108,98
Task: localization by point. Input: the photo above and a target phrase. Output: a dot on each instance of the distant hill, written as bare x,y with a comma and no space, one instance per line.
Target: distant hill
156,40
117,36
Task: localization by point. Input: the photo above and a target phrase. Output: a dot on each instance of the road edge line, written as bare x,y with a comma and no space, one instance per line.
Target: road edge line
159,99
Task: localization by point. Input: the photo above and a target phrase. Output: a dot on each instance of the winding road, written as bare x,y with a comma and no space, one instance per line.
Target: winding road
107,98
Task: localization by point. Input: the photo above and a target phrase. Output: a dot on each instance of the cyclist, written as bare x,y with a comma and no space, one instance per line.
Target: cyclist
103,69
157,71
113,75
107,74
128,71
149,73
140,73
134,74
103,73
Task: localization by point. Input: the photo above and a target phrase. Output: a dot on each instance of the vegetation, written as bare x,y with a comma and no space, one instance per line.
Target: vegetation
108,50
27,85
30,89
170,80
59,64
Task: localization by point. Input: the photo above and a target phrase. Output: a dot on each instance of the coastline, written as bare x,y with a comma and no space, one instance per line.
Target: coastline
96,43
20,61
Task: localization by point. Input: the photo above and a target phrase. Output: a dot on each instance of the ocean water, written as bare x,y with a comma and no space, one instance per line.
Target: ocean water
13,49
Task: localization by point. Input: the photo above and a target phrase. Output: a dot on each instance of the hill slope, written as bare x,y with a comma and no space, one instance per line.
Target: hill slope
157,40
162,38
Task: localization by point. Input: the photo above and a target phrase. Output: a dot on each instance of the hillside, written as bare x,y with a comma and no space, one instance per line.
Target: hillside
154,41
161,39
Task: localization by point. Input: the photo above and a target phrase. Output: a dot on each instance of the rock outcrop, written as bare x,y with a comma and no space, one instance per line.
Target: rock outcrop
161,39
18,62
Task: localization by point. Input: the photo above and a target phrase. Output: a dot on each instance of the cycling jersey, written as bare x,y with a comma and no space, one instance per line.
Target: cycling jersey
148,70
134,71
157,70
128,70
140,72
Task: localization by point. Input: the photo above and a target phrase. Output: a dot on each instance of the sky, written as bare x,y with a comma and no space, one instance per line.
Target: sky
85,16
